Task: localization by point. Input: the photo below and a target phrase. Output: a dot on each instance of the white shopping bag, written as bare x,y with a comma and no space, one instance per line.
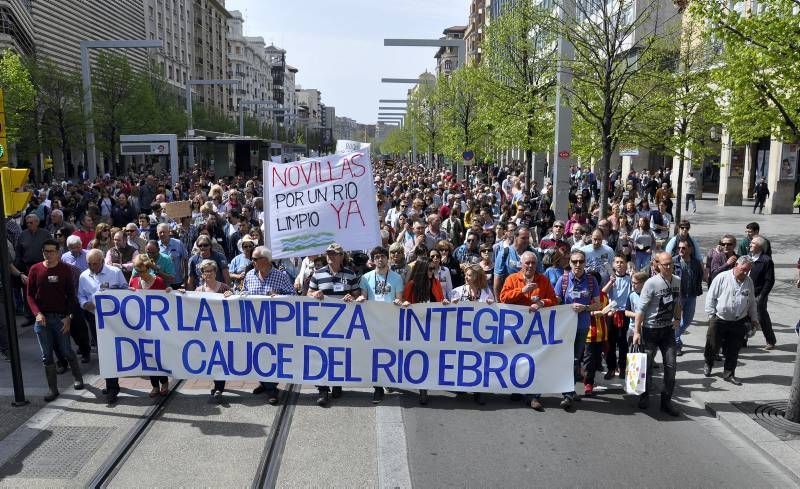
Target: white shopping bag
636,372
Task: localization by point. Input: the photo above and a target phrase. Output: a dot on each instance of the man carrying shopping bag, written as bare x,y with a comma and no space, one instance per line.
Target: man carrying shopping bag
657,317
635,371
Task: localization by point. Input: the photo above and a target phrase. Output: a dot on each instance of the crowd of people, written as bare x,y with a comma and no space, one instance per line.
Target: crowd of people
487,238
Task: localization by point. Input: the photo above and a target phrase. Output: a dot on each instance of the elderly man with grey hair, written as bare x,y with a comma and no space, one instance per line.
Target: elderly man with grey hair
99,276
76,256
763,276
56,221
264,279
730,304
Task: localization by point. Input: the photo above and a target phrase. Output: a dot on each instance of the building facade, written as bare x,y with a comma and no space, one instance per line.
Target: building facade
447,57
16,27
248,63
170,21
60,26
310,101
210,57
473,36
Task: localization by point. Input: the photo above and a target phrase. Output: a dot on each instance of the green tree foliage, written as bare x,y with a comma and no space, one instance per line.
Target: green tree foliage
59,106
760,65
20,97
519,72
464,111
684,108
617,68
397,142
425,108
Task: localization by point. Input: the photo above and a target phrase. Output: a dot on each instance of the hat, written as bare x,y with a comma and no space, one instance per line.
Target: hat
335,248
248,239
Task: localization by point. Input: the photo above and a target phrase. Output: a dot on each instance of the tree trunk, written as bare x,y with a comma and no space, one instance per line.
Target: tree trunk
528,156
679,190
793,405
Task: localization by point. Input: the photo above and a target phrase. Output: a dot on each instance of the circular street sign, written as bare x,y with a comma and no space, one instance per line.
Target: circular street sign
563,154
468,155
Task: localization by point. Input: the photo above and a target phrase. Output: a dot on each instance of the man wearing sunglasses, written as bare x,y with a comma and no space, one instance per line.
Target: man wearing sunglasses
582,291
657,317
683,234
721,258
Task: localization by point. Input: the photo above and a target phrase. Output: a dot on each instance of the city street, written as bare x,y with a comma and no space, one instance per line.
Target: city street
452,442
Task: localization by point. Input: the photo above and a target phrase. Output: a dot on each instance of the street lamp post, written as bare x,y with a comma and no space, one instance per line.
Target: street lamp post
190,129
563,130
86,80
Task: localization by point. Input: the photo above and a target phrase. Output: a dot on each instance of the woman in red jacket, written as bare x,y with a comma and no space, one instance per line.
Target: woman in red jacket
423,286
146,280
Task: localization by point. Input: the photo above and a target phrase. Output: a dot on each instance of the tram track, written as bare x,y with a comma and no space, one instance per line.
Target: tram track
266,474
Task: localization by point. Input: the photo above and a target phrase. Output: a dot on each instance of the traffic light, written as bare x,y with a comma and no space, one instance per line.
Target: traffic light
13,179
3,142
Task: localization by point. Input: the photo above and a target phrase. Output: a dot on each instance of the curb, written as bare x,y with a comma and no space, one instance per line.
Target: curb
774,449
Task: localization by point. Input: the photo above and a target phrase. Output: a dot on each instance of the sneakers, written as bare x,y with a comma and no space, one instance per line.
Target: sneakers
216,395
728,376
272,397
769,347
707,370
323,399
536,405
377,395
588,390
566,403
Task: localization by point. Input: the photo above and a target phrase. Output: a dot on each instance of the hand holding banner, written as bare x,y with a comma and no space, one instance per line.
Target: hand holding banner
313,202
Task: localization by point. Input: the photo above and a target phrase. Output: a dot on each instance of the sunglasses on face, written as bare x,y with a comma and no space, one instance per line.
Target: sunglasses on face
204,246
577,262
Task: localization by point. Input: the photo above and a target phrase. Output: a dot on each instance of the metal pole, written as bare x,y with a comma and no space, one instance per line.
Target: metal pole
562,152
241,119
86,80
189,122
9,316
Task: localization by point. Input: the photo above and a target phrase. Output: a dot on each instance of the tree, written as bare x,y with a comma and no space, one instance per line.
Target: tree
616,69
425,106
19,97
519,74
685,107
464,124
760,62
397,142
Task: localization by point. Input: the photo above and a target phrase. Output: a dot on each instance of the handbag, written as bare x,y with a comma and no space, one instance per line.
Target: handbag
636,371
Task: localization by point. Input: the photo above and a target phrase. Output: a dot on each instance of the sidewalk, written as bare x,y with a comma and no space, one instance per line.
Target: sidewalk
766,375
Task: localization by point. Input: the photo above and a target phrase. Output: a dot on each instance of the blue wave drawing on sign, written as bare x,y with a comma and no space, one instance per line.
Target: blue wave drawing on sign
298,243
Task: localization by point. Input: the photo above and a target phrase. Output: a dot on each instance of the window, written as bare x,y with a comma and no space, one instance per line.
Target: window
448,65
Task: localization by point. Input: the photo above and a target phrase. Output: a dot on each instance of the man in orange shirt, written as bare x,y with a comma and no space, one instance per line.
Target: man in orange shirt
528,288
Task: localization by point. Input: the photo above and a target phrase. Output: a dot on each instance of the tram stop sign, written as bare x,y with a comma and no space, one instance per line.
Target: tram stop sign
469,156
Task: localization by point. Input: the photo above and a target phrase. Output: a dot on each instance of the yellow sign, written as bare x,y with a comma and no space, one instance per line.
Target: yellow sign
12,179
3,142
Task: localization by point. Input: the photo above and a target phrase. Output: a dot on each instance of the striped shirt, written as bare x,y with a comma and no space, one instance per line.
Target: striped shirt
340,284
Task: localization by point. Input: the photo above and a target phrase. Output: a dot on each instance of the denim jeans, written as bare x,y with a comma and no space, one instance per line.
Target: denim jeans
662,339
641,260
688,306
50,337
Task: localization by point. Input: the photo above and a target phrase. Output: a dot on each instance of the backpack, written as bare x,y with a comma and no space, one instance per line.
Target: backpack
565,277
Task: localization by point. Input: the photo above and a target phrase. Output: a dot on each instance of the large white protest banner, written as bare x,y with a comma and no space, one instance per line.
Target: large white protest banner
347,146
464,347
312,202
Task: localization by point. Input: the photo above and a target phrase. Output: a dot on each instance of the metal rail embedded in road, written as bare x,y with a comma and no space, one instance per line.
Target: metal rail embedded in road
125,448
266,475
269,465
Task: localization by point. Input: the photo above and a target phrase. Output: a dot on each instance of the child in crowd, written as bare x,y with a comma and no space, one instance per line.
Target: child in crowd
618,289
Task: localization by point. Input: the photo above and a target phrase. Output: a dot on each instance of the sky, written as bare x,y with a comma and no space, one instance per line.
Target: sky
337,45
